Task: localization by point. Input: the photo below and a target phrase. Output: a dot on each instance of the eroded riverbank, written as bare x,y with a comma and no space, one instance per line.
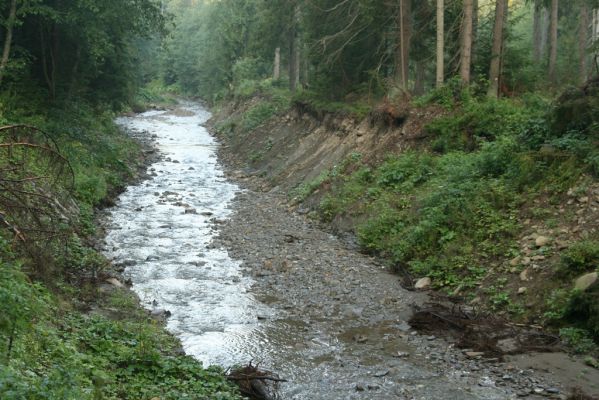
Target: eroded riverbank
244,278
349,315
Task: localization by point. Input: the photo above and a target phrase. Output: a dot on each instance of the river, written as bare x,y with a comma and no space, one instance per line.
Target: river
162,229
243,279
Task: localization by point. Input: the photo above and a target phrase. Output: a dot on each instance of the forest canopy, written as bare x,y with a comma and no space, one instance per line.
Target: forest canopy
75,49
340,48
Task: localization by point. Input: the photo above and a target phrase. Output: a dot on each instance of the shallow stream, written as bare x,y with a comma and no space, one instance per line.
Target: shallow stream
329,319
162,229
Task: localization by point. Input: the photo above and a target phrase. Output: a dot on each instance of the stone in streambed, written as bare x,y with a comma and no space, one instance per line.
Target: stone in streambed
585,281
116,283
423,283
515,261
522,290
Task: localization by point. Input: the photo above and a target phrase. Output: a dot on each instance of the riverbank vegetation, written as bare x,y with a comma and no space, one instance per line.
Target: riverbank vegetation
67,69
497,200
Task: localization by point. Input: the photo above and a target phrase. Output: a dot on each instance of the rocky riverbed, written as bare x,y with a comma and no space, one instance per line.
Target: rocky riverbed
350,315
242,277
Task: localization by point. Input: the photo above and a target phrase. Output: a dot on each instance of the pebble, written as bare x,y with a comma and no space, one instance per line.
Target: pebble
542,241
423,283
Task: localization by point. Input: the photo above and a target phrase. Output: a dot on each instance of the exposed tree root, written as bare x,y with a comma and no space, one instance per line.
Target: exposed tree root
493,336
580,395
255,383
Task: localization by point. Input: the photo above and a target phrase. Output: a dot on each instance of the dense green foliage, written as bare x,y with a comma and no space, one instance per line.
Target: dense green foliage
66,51
453,210
70,68
348,50
55,352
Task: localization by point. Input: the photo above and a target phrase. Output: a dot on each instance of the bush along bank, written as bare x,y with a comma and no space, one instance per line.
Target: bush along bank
66,329
494,201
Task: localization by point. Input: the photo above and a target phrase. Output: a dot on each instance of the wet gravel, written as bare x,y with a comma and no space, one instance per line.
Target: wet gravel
252,279
350,314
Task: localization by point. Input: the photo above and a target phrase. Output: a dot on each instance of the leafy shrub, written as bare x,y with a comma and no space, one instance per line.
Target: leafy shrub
583,256
405,172
319,104
577,109
477,122
91,188
583,311
450,94
257,115
249,69
578,339
226,126
20,302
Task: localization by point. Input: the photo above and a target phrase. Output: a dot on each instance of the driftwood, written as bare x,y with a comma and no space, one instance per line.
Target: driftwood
255,383
482,332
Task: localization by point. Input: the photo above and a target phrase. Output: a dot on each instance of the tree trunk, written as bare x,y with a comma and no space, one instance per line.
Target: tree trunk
544,32
440,42
595,35
10,23
536,32
305,70
474,27
403,48
583,38
294,59
277,68
74,73
420,77
466,45
553,41
48,62
497,49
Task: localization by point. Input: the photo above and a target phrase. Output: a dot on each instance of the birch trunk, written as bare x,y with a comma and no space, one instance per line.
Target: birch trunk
440,42
583,38
403,50
536,31
277,67
553,41
294,59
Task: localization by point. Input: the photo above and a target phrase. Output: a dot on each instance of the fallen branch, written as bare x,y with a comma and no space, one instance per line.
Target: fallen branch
252,377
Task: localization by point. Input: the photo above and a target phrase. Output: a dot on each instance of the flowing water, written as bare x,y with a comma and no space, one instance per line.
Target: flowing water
162,229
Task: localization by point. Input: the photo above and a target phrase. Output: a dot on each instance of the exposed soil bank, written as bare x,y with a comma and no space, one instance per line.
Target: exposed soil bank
347,311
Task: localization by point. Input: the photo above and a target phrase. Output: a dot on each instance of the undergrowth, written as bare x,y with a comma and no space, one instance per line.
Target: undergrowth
53,351
453,210
51,345
269,100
